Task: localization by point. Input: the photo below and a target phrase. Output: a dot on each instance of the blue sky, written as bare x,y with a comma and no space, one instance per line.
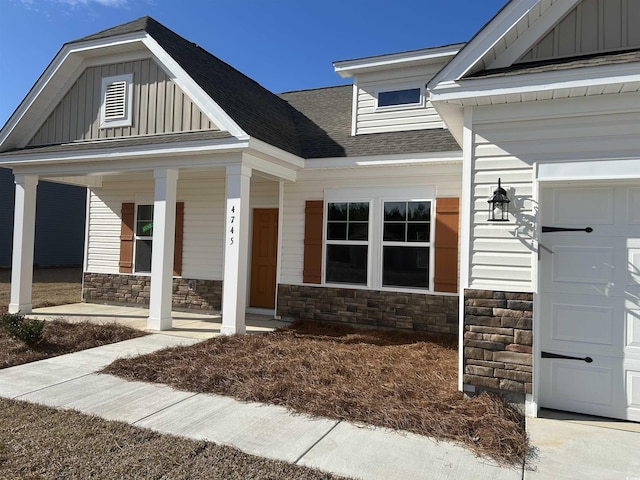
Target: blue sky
282,44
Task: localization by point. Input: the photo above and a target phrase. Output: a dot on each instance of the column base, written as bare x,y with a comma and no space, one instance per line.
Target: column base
159,324
23,308
232,329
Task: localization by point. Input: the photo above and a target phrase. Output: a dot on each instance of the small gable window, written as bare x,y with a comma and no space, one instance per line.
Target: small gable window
394,98
115,109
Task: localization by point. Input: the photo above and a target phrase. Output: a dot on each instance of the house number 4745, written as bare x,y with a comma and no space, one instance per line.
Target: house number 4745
232,219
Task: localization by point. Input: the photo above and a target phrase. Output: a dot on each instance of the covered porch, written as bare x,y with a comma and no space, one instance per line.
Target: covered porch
184,324
208,191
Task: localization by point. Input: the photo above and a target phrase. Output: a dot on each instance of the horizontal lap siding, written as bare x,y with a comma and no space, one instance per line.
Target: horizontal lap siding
370,120
506,145
204,199
311,186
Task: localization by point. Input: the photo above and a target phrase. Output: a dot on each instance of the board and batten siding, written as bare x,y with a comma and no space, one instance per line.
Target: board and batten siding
446,178
394,119
159,106
593,26
508,141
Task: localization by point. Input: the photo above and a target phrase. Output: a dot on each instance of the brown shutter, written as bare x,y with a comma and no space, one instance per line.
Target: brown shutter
446,244
313,219
177,249
126,238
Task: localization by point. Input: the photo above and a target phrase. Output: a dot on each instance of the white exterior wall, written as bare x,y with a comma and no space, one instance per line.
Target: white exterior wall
510,141
203,251
393,119
445,178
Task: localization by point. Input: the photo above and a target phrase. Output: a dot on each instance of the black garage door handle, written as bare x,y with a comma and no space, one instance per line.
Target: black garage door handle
561,229
566,357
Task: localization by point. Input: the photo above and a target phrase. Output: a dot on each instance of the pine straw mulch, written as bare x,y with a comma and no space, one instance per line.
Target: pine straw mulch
403,381
42,443
62,337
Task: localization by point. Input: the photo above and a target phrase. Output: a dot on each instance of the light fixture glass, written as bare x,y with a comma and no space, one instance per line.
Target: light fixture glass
499,205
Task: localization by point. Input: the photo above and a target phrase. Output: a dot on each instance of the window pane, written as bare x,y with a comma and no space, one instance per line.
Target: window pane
394,232
395,211
418,232
399,97
358,231
143,255
358,212
406,267
337,231
419,211
144,221
347,264
337,211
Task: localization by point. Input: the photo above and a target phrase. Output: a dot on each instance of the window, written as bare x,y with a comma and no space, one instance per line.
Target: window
409,96
143,238
406,244
115,108
347,242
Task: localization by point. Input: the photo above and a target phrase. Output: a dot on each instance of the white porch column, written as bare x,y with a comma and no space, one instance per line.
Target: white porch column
164,225
234,286
24,226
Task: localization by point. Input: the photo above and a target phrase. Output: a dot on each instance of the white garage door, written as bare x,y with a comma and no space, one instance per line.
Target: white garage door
590,300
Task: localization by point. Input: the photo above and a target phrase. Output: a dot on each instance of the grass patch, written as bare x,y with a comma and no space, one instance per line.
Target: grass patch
60,337
404,381
42,443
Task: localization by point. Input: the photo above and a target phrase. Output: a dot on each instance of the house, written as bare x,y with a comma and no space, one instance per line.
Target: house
56,243
368,203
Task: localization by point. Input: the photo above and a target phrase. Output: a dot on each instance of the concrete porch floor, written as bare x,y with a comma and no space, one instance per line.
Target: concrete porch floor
198,325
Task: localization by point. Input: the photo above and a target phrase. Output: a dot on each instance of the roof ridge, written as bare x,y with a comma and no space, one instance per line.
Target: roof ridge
316,88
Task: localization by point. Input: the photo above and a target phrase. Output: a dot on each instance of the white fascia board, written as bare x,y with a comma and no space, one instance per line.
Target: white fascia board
94,181
384,160
265,166
457,91
141,152
347,68
67,60
204,102
535,32
286,158
484,41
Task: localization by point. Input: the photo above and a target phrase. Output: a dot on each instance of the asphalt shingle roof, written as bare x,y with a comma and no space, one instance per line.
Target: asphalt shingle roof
558,64
307,123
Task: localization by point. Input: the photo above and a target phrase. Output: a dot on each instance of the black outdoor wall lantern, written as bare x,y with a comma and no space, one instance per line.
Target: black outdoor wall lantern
499,205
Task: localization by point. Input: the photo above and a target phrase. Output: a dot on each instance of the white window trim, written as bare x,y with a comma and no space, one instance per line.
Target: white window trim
376,198
382,243
405,106
137,237
126,120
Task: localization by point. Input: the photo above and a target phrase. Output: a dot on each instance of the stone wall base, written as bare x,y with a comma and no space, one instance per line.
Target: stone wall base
498,339
135,289
413,311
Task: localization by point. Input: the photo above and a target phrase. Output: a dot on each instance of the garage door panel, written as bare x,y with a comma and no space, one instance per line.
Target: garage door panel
584,324
633,329
569,206
633,388
575,383
633,206
579,264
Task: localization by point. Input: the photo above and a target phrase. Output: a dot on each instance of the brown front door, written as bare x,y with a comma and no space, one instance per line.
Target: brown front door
264,254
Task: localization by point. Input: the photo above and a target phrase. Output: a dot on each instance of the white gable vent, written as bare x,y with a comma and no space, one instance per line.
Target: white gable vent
115,110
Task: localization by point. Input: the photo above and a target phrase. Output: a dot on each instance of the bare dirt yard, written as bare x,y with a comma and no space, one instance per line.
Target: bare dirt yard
51,286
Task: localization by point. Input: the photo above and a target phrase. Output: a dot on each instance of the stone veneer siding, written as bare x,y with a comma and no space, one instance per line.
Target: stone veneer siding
415,311
498,343
135,289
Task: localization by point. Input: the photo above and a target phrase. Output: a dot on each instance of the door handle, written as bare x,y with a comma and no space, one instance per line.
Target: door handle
566,357
561,229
